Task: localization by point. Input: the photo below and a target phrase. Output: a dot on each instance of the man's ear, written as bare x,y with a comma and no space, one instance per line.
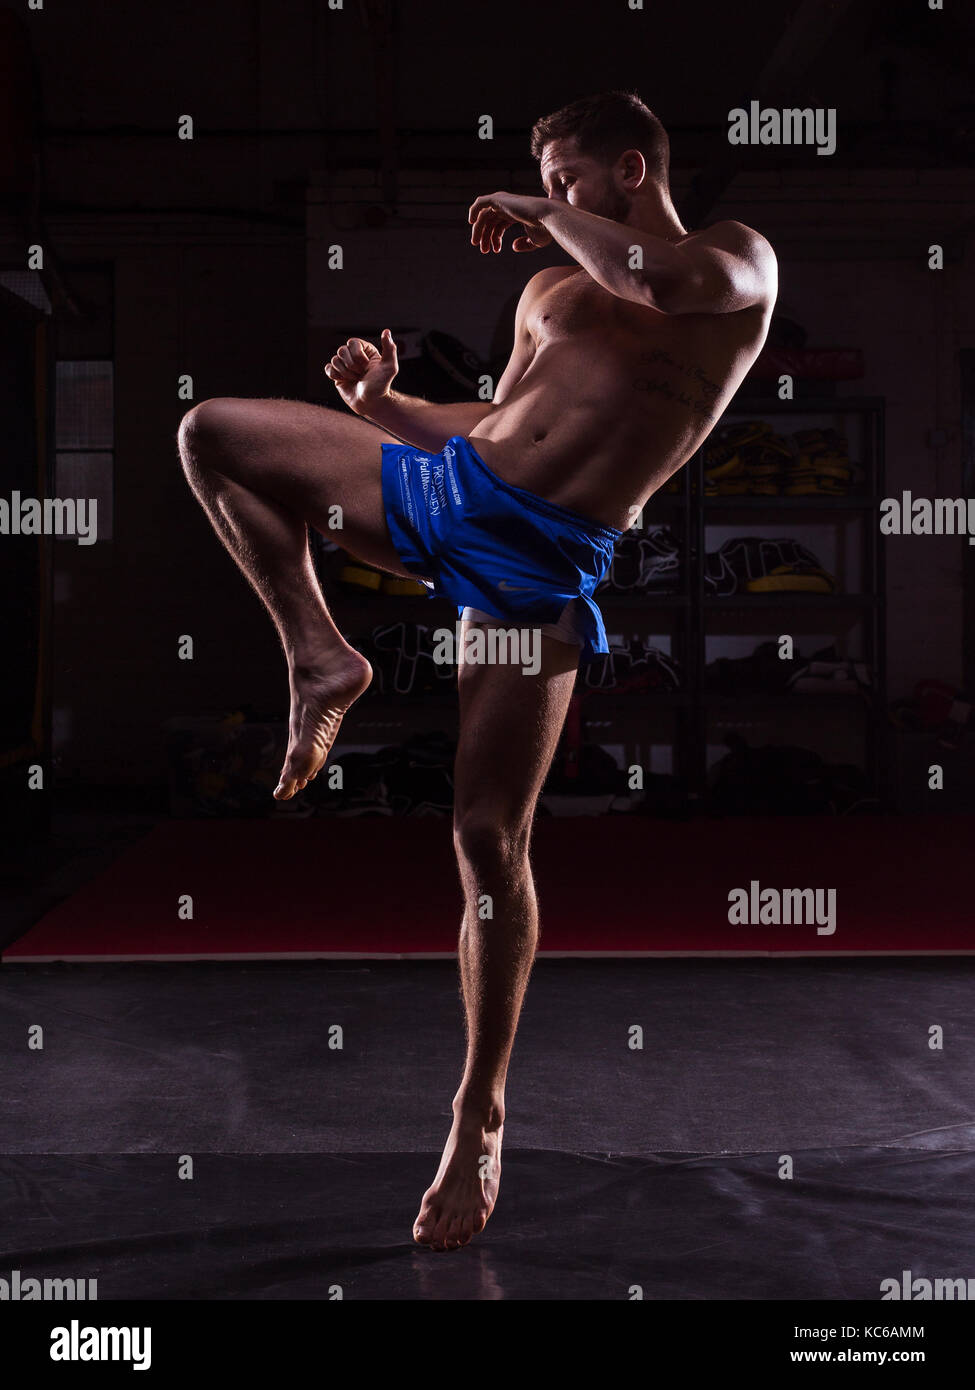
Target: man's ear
632,167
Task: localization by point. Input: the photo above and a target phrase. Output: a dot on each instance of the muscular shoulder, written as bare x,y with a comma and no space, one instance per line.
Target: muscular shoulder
733,260
744,243
544,280
550,274
738,239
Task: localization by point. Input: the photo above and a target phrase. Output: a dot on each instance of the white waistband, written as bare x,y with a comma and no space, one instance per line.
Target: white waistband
565,630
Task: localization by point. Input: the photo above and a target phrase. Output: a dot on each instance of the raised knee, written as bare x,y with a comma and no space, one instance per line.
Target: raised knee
202,426
488,840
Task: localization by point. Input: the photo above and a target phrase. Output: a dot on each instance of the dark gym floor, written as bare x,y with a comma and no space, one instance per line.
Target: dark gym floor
659,1166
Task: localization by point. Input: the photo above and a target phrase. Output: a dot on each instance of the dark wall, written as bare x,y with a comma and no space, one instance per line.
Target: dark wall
206,241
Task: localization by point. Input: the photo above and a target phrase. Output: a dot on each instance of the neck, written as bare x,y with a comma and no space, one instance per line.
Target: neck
655,214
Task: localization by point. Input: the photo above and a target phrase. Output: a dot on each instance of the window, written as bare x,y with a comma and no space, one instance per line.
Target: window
84,462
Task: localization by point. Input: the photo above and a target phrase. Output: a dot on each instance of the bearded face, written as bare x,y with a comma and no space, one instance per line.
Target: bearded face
584,181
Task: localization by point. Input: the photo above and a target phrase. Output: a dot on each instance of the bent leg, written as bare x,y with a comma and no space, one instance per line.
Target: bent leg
264,470
509,729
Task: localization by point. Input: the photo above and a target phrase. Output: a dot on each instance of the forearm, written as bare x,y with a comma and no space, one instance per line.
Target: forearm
605,249
424,424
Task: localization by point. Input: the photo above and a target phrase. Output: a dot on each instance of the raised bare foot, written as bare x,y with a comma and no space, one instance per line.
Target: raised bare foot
462,1196
320,696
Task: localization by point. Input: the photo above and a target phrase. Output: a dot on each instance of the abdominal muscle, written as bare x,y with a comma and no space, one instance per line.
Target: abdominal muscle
597,426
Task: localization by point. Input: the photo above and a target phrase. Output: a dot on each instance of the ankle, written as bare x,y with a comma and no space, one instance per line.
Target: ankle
308,660
487,1112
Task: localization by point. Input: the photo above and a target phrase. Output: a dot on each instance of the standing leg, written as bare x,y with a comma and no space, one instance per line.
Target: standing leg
509,729
264,470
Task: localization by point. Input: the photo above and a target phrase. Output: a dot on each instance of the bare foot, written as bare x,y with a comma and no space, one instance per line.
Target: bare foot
320,697
462,1196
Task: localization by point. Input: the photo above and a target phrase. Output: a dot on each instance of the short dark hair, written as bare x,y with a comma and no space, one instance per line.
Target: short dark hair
605,125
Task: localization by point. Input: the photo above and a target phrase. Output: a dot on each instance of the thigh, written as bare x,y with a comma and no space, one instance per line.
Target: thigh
509,730
310,459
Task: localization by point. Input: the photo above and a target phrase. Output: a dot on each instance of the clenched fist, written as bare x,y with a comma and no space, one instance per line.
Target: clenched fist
362,373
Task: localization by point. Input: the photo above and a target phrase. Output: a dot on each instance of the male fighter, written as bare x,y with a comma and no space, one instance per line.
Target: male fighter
623,361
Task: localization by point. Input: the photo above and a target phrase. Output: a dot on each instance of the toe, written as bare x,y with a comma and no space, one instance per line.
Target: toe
424,1226
287,781
439,1238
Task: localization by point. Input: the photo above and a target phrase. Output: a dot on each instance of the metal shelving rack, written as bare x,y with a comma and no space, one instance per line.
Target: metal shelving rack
691,740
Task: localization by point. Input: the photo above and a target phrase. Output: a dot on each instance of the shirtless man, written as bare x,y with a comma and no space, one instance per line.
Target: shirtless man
622,363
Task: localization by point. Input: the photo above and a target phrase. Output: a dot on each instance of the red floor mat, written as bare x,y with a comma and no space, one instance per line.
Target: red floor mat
606,885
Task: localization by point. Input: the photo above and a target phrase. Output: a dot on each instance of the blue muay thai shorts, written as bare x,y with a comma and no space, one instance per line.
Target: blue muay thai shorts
494,549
